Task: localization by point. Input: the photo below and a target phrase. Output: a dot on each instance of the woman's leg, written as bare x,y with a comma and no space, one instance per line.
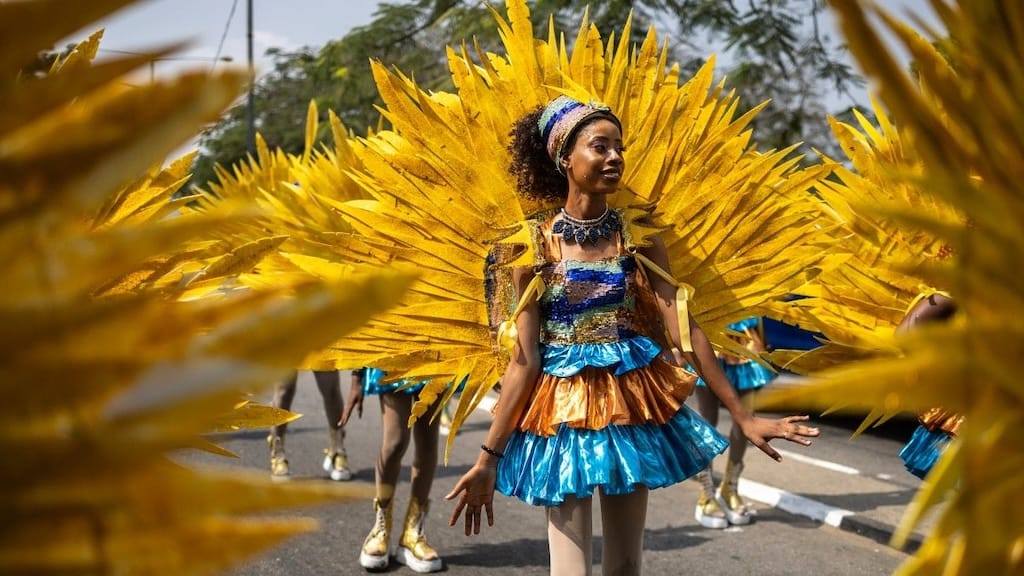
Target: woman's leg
736,510
707,404
426,436
737,441
623,518
336,459
394,411
708,512
284,394
570,537
375,554
329,384
413,549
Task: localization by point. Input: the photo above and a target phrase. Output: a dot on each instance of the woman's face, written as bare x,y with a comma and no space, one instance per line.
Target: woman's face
595,164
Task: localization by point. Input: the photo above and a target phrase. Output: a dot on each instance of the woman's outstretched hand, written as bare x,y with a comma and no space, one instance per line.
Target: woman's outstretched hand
477,489
760,430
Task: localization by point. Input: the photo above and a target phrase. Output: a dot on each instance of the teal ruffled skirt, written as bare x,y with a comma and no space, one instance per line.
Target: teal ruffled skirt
575,461
923,450
373,386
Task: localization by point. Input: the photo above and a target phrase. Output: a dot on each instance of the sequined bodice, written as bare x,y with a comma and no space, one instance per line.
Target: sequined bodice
589,302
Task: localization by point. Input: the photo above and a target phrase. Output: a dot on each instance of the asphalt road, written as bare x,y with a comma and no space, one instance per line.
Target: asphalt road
800,532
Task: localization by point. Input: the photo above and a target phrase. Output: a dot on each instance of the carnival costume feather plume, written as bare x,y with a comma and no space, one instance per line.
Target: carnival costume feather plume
293,197
122,339
966,128
858,304
740,225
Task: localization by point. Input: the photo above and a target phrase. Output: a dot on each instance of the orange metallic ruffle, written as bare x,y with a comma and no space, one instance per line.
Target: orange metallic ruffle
940,419
596,398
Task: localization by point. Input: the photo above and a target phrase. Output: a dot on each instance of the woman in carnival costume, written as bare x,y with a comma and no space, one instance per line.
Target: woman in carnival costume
724,506
938,426
593,395
396,400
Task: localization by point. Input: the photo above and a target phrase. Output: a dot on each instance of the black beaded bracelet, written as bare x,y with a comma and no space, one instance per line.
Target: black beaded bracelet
492,451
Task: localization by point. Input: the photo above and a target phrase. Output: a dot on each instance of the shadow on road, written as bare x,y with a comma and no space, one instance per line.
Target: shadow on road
514,553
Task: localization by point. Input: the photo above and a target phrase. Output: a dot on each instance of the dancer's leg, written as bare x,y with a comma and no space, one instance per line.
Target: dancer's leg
707,404
737,441
570,537
284,394
623,518
394,411
426,437
737,511
707,512
335,459
375,554
413,550
329,384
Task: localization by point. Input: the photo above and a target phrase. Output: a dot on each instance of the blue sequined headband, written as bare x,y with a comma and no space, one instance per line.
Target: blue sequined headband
561,117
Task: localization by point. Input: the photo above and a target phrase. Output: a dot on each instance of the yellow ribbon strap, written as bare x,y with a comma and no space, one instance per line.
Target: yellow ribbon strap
925,292
508,334
683,294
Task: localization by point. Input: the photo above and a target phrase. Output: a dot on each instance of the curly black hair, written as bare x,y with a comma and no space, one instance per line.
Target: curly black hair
537,177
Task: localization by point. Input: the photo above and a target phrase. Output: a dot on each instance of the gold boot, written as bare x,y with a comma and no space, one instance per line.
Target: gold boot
413,550
376,551
335,457
278,463
736,510
708,512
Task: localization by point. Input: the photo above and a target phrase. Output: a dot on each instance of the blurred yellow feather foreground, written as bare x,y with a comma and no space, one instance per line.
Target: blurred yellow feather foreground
964,121
123,339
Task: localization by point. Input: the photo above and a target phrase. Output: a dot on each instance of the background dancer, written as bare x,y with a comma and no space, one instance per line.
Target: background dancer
938,426
335,458
718,509
395,408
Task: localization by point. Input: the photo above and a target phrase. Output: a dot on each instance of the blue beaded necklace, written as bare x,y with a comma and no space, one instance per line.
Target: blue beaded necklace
588,231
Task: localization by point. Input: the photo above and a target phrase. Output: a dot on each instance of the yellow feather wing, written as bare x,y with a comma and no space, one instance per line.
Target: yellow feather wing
743,227
963,127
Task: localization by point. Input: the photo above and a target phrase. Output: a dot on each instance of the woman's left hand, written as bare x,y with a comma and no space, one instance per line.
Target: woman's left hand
760,430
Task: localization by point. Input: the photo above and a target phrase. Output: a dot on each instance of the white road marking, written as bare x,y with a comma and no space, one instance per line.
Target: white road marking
792,503
819,463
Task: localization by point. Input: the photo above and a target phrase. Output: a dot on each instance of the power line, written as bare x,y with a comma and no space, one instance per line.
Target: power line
224,34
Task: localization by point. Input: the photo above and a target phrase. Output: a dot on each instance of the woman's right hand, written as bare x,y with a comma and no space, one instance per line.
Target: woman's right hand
477,489
355,402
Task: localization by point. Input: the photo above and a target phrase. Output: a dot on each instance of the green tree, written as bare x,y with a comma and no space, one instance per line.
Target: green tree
776,50
771,49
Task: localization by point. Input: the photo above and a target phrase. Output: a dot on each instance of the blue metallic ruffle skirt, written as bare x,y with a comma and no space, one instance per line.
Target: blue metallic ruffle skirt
746,376
923,450
373,386
544,470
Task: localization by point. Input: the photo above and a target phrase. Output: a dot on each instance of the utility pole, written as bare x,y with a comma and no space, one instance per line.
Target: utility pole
252,85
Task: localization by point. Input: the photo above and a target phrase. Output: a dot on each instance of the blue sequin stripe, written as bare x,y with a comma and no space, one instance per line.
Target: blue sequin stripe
548,124
561,310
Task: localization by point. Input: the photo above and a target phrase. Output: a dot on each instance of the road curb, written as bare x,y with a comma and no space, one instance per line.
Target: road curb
878,531
840,518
